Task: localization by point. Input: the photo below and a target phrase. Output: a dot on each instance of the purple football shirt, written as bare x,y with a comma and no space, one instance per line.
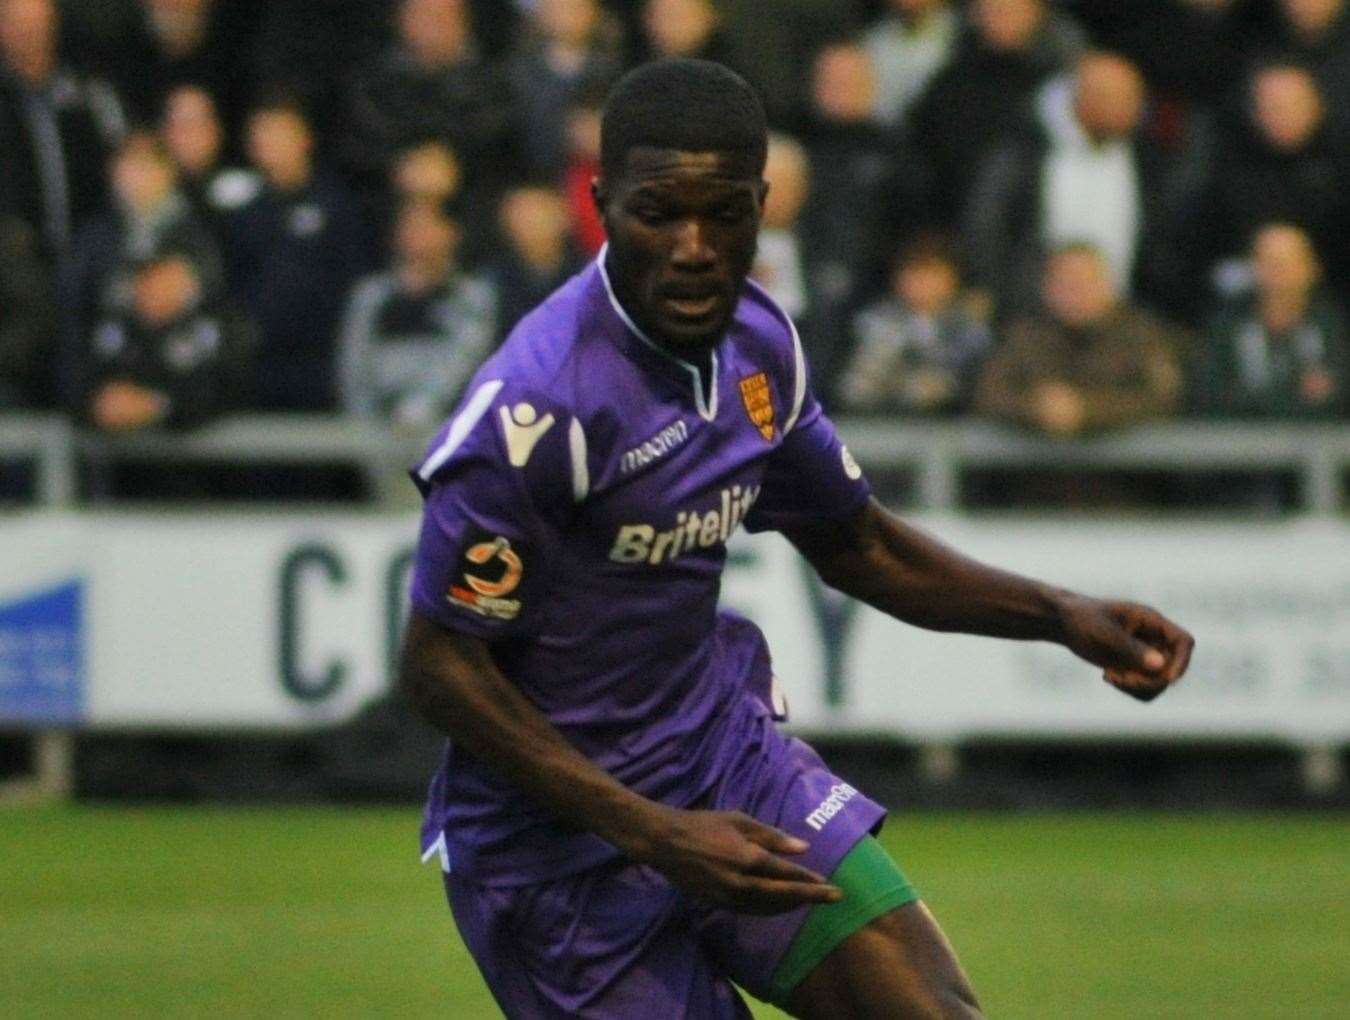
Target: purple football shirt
577,511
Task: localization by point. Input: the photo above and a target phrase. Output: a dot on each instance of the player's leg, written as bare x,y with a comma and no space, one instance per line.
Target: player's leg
876,953
611,943
899,965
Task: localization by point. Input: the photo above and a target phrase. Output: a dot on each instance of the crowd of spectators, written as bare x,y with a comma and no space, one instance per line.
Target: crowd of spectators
1068,216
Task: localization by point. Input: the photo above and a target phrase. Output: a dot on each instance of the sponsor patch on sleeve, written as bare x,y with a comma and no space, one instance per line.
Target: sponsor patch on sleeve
490,570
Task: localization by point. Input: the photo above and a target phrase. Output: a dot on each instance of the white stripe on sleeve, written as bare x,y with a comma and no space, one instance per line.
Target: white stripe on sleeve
799,384
461,427
581,476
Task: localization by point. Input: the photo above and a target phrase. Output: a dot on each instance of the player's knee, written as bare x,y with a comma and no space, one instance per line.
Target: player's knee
922,978
946,1002
959,1003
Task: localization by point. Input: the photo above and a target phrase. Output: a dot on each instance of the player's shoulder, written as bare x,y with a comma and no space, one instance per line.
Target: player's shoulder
553,353
525,405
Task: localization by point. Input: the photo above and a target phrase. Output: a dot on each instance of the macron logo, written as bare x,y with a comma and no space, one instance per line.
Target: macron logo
657,446
840,794
523,428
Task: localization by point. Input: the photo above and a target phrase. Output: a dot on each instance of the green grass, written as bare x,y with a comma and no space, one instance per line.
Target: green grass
212,912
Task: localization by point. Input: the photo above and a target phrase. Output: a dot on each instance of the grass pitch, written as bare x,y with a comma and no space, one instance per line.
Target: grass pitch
212,912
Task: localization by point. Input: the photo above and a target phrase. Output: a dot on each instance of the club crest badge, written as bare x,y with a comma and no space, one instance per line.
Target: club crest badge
758,403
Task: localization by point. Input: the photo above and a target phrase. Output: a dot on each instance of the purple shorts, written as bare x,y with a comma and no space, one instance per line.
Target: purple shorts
617,941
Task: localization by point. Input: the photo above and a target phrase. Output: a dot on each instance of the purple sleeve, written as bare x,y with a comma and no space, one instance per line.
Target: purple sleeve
488,526
809,476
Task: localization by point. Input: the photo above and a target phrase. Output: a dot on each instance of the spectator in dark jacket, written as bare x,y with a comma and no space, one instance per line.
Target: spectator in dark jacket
537,254
310,49
416,333
1090,361
568,43
57,128
192,131
150,216
1281,351
433,83
1192,52
27,320
1084,172
293,254
911,43
169,359
167,43
919,350
1287,163
768,42
1011,49
1316,33
857,206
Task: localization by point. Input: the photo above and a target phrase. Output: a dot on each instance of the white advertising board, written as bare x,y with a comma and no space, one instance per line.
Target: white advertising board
282,621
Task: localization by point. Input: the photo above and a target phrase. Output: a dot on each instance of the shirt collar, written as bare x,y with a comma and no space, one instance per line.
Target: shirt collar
705,396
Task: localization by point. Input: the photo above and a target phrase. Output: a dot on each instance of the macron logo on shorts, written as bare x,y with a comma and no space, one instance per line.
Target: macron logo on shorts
840,794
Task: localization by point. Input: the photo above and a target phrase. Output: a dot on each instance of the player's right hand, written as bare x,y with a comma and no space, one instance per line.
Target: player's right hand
731,860
1141,651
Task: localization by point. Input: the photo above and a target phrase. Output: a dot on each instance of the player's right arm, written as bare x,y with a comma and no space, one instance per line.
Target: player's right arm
725,858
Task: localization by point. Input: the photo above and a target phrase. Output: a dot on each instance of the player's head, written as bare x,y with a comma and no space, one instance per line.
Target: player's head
681,193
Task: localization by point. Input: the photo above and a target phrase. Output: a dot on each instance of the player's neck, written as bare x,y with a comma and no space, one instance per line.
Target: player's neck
699,356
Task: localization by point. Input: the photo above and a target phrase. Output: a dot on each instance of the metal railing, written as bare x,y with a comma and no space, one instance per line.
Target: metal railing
937,454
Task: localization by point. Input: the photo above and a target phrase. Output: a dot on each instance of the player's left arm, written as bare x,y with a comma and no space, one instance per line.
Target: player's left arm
906,573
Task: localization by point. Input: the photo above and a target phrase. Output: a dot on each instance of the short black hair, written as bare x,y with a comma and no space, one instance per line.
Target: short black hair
684,104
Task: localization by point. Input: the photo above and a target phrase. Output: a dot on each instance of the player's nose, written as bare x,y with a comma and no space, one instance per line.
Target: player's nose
692,250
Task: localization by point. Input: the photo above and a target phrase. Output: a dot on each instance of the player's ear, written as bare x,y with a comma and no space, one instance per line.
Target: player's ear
763,193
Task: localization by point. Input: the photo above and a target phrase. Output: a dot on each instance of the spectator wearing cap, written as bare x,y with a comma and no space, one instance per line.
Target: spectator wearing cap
1081,171
536,255
1009,50
415,333
1280,351
913,41
58,129
293,253
919,350
172,357
567,43
1088,362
